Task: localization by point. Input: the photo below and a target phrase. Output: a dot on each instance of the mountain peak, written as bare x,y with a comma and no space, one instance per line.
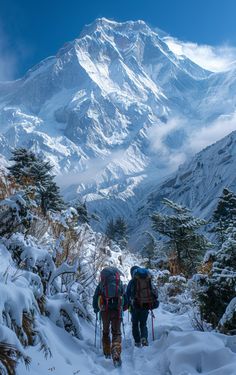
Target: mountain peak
107,24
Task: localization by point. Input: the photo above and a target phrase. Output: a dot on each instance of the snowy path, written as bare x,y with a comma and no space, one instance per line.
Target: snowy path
177,350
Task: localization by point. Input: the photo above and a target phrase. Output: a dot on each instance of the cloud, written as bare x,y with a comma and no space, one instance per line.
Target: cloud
94,170
175,142
215,59
166,140
207,135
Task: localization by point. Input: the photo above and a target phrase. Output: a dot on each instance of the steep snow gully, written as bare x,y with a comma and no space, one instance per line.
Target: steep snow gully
177,350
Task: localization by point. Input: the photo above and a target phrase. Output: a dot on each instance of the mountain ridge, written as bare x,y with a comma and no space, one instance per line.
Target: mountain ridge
197,185
104,110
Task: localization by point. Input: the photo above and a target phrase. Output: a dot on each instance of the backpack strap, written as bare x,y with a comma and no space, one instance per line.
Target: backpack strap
117,283
117,295
138,289
103,280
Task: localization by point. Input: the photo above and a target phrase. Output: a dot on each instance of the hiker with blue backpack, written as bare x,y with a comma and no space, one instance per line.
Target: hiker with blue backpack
109,301
141,298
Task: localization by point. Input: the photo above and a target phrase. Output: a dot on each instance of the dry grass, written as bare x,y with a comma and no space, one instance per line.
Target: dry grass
9,356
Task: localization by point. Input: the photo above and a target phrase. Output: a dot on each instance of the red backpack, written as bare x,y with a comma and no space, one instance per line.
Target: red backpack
111,288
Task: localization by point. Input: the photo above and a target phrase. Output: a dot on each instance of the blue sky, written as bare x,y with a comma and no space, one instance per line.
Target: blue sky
31,30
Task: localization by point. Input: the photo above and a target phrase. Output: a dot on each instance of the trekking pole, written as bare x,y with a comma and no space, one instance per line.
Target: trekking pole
153,317
123,326
96,326
100,320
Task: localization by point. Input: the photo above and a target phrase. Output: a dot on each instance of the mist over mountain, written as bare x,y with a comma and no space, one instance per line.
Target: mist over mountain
197,184
115,111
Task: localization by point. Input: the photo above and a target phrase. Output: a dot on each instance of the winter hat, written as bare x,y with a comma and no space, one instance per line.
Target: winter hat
132,269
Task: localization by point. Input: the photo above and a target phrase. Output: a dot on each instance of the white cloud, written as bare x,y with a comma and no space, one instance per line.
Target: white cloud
207,135
168,157
215,59
94,170
158,134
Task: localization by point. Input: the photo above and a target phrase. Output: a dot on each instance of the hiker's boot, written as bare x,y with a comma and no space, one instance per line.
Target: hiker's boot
116,359
117,362
144,341
138,344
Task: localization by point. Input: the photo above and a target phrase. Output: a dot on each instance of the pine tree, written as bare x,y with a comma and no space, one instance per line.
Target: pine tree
216,290
117,231
84,215
110,229
184,240
121,232
82,212
150,250
121,227
51,199
23,159
224,214
15,213
33,174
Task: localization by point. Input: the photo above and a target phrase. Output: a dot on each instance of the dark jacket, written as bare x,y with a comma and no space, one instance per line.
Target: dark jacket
129,289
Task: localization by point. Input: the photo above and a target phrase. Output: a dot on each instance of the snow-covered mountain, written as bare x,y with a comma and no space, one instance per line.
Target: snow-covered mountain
197,184
115,110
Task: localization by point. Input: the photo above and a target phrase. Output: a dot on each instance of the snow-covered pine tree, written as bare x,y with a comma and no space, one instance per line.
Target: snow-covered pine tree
224,214
121,232
82,212
117,231
83,215
217,289
16,213
50,198
181,228
33,174
22,159
150,250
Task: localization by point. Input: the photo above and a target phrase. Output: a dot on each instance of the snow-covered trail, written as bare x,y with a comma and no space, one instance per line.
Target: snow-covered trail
177,350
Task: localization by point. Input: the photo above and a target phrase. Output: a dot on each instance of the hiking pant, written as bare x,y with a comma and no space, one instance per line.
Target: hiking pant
139,324
111,318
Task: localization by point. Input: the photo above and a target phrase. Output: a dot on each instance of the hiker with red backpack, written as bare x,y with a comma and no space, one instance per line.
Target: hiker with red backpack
109,300
141,298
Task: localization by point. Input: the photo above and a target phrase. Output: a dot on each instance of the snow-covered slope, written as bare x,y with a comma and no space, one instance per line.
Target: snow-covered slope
177,349
113,110
197,184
